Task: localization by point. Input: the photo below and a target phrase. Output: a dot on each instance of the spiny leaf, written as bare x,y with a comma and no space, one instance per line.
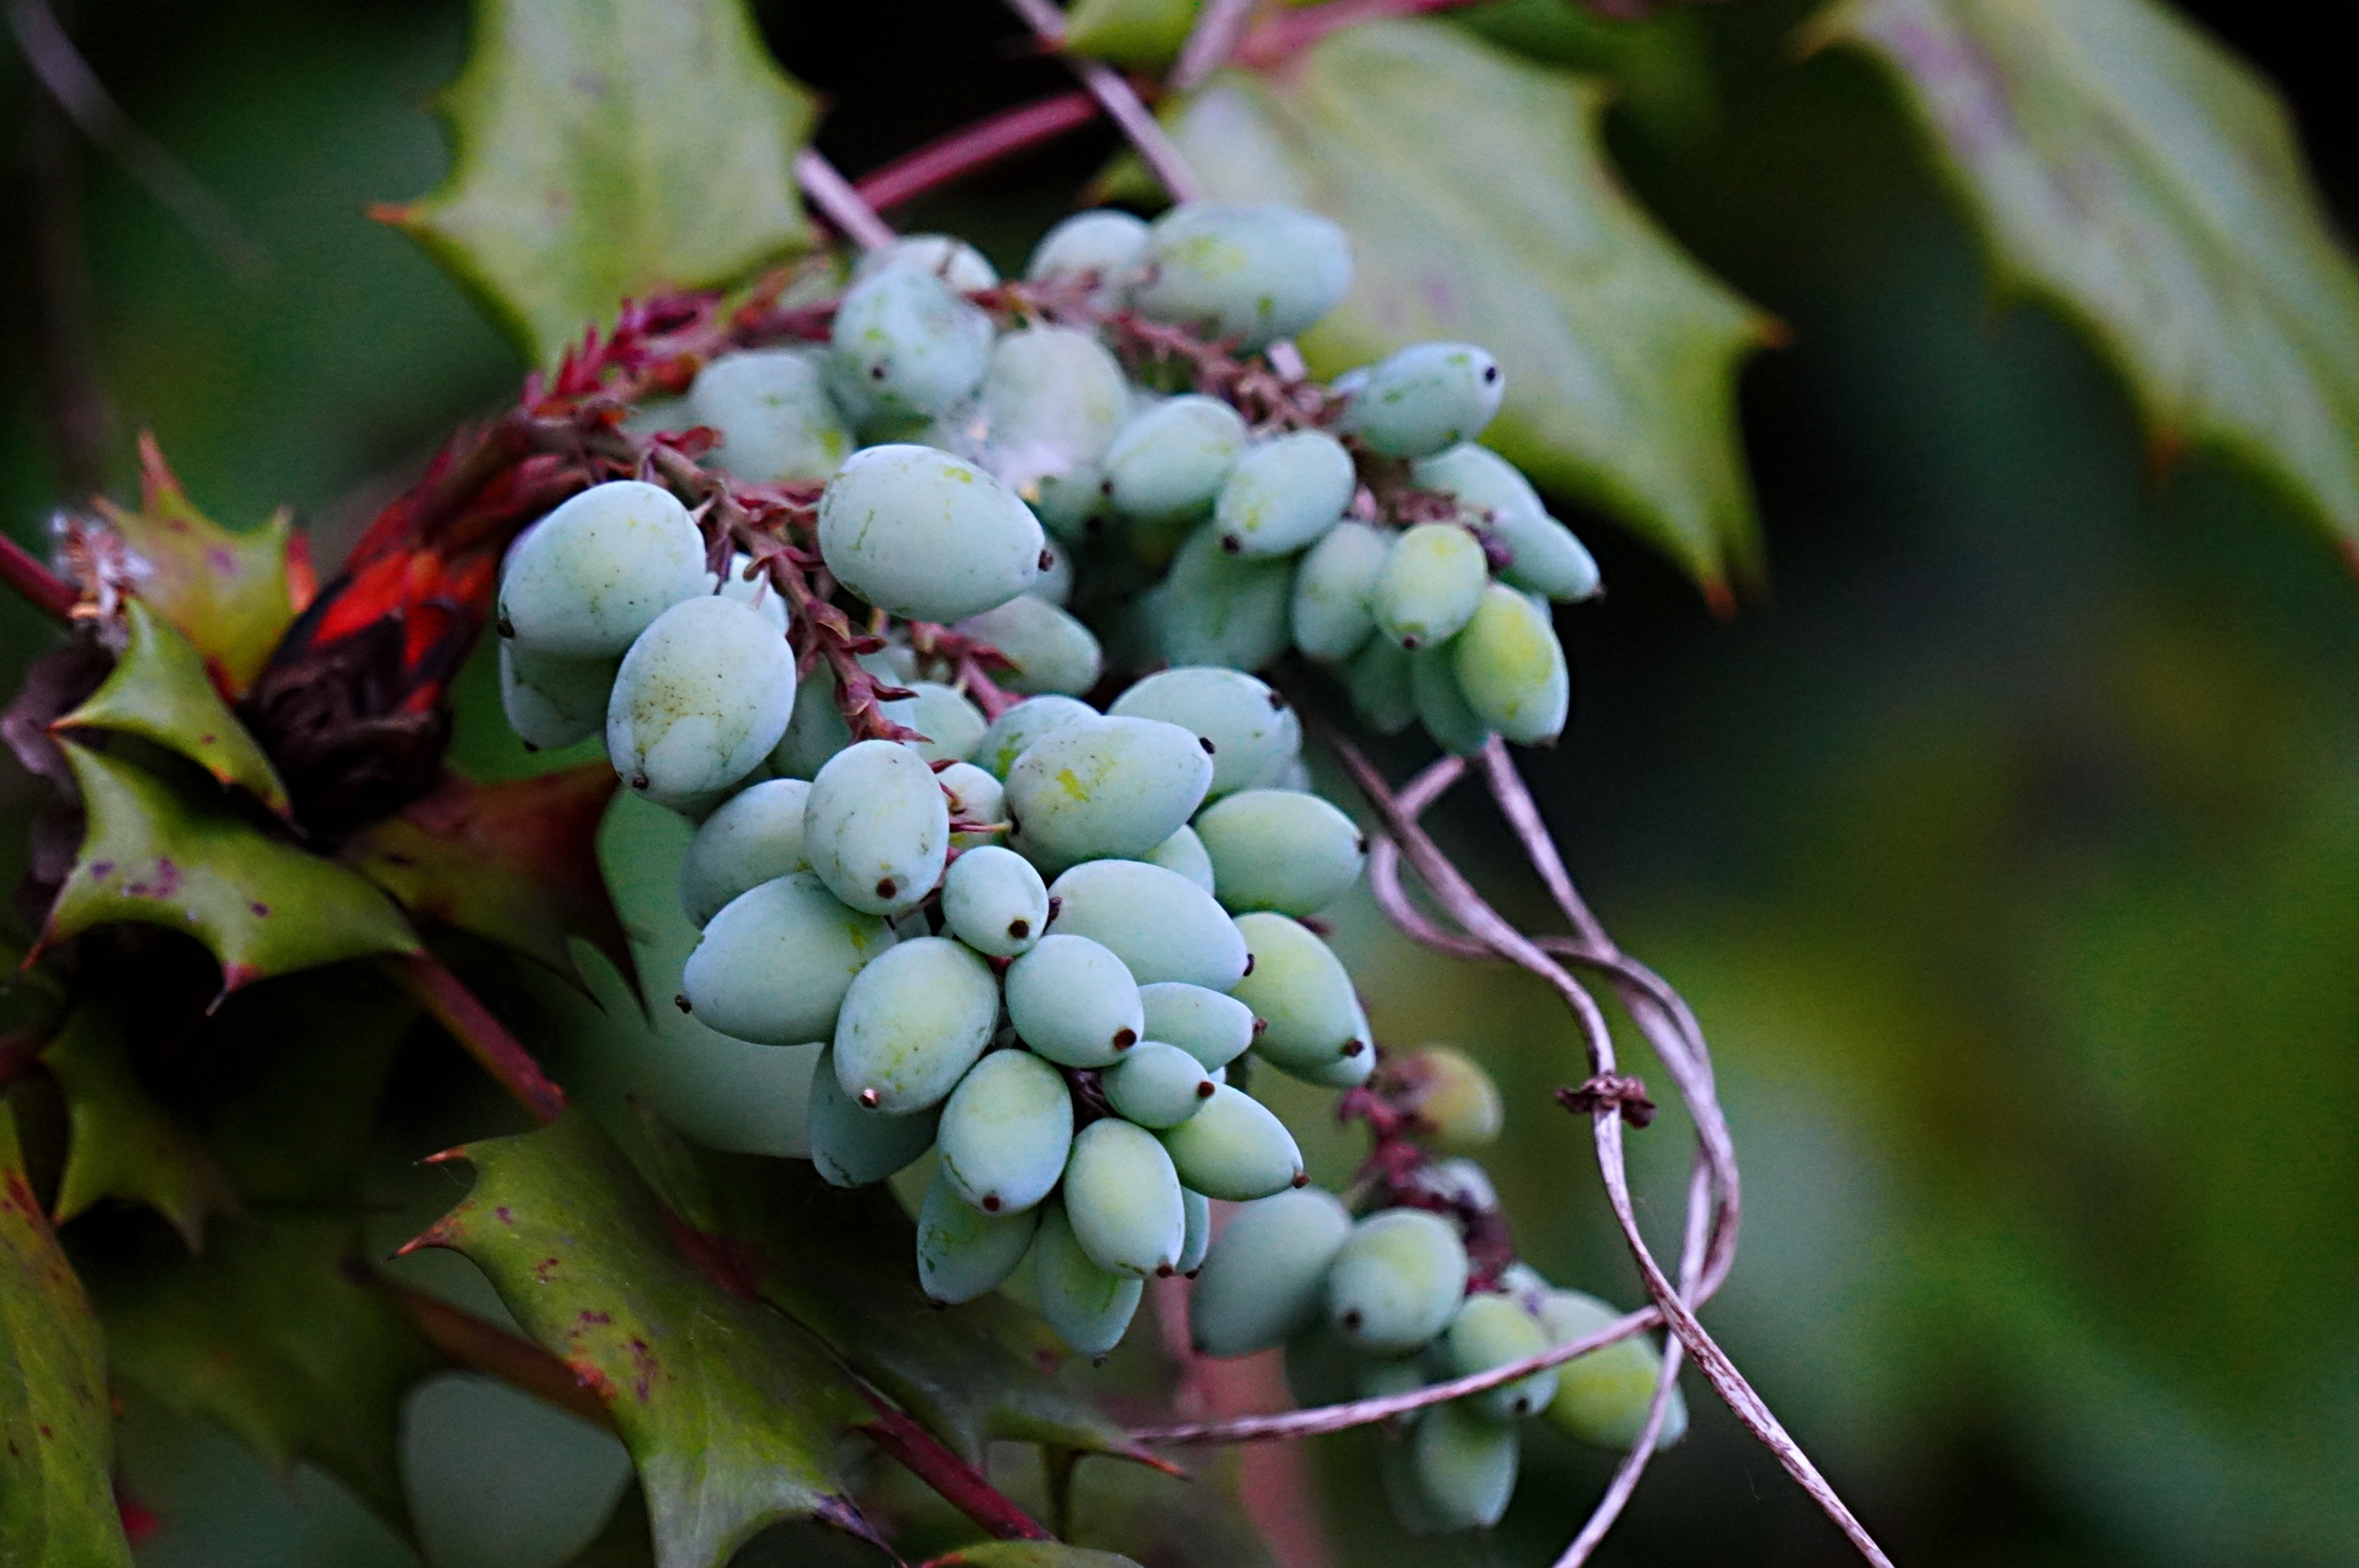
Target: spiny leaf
1481,207
2126,169
844,1265
276,1333
516,862
731,1413
601,149
231,594
56,1429
159,690
1029,1554
123,1143
262,907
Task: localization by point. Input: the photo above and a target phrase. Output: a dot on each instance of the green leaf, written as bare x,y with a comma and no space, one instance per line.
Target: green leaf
56,1429
515,862
731,1413
2126,169
1481,207
844,1265
159,690
1145,35
1029,1554
601,148
123,1143
231,594
263,907
278,1333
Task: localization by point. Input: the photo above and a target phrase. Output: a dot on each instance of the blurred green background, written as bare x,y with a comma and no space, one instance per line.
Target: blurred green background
2009,848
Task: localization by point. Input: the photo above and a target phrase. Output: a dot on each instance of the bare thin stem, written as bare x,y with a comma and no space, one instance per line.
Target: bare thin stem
68,78
1211,42
481,1034
1121,102
975,147
1324,1418
834,195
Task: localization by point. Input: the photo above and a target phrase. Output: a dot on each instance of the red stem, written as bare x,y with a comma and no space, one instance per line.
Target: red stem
467,1341
42,588
483,1036
975,147
960,1484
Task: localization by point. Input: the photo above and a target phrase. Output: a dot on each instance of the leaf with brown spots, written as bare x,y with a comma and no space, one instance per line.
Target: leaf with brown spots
159,690
516,862
231,594
278,1333
263,907
56,1431
731,1412
124,1143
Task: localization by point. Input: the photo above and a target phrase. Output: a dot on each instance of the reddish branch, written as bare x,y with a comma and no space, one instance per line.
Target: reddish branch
483,1036
974,148
960,1484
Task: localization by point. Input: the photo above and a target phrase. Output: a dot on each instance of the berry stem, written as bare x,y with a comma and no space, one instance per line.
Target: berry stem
1121,101
844,207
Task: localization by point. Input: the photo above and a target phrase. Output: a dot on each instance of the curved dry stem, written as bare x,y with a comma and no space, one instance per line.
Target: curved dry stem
1324,1418
1121,102
1458,897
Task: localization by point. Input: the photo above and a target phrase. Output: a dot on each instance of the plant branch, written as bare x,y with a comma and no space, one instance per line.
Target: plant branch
41,588
481,1035
1121,102
960,1484
975,147
1281,36
474,1344
834,195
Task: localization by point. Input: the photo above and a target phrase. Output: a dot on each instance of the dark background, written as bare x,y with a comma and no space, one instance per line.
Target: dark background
2008,845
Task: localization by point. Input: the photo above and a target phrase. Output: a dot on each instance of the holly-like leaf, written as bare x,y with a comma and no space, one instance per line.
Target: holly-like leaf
278,1333
2129,171
1480,207
601,148
263,907
159,689
231,594
844,1265
731,1413
516,862
1029,1554
57,1429
122,1144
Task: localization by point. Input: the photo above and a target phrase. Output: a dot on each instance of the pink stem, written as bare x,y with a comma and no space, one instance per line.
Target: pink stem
975,147
484,1037
960,1484
1212,41
834,195
41,588
1122,103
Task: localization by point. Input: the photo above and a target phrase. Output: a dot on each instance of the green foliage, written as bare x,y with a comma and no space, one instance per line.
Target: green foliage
1481,209
1143,34
2125,168
231,594
124,1143
159,690
601,150
56,1502
278,1332
1029,1554
731,1414
512,863
260,906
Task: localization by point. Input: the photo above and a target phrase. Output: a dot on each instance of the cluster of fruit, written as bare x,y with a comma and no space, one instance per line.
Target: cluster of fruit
1044,939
